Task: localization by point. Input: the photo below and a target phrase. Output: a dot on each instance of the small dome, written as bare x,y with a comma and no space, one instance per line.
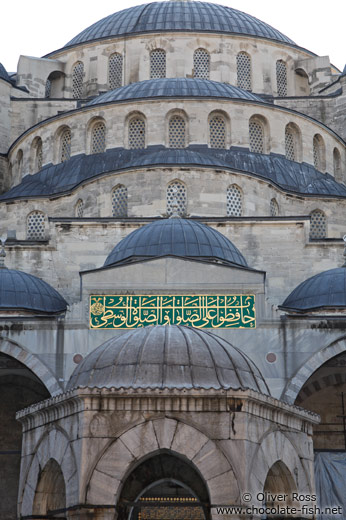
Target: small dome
326,289
175,88
175,17
3,73
22,291
175,237
168,357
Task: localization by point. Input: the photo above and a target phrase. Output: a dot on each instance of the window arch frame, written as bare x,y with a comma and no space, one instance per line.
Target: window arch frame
161,51
312,233
319,153
337,164
182,212
36,154
196,66
240,81
281,82
59,138
128,121
227,123
120,77
263,123
35,235
19,163
79,208
121,204
175,114
274,207
77,79
297,141
92,125
238,213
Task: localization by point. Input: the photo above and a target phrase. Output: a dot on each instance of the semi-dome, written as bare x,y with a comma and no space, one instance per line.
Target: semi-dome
23,291
322,291
168,357
176,237
178,16
175,88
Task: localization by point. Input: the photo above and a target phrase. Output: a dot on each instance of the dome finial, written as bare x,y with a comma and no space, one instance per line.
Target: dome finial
3,252
344,239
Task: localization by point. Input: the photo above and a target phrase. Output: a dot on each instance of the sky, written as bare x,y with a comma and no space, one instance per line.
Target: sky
40,27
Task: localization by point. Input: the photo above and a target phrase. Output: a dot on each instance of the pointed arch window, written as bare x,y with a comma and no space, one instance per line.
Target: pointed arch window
274,208
36,223
19,162
319,153
177,132
98,138
290,144
318,224
244,71
337,164
137,133
38,154
65,145
201,64
281,78
157,64
176,198
115,71
217,132
234,201
256,136
119,201
79,209
77,80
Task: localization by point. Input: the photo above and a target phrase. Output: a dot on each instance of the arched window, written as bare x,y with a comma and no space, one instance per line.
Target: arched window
48,88
291,143
137,133
201,64
281,78
244,71
177,132
115,71
217,132
65,145
256,136
274,208
35,229
37,154
79,209
337,164
157,64
234,201
77,80
50,493
176,198
19,162
318,224
319,153
119,201
98,138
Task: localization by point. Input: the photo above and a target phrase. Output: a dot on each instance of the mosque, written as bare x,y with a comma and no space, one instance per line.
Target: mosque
172,273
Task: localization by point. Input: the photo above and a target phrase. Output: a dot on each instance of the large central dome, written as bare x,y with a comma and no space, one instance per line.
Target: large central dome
178,16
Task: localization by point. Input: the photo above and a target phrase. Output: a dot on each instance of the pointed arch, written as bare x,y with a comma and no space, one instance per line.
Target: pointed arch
176,198
119,201
319,153
258,134
97,135
50,493
36,154
201,64
136,131
219,130
293,142
337,164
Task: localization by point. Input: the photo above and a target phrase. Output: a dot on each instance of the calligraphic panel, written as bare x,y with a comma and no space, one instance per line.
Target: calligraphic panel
202,311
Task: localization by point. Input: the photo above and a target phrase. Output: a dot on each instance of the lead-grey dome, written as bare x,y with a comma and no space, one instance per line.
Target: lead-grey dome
175,88
178,16
168,357
176,237
324,290
23,291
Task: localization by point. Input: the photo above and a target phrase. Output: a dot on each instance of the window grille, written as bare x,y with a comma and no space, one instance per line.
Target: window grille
177,137
77,80
39,155
36,226
244,71
336,162
318,224
281,78
234,201
80,209
157,64
201,64
256,137
48,88
317,152
290,149
137,133
217,129
115,71
119,201
65,152
176,198
274,208
98,138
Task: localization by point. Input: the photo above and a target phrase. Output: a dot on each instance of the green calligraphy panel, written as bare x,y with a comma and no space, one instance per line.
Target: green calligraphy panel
131,312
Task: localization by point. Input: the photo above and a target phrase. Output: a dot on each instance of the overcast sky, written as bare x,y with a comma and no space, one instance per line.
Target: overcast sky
39,27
